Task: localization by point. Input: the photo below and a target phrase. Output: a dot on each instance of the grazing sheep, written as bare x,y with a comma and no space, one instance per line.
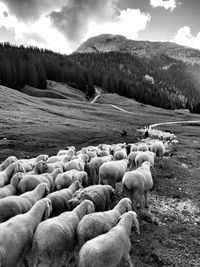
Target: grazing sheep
7,162
137,183
159,149
76,163
120,154
29,182
13,205
55,239
7,174
144,156
60,198
142,147
100,195
93,166
109,249
131,159
65,179
17,234
99,223
112,172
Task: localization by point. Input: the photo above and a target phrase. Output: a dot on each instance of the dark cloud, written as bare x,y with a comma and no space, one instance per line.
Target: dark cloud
74,18
30,10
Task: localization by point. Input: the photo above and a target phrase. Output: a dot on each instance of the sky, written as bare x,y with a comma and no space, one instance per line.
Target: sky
62,25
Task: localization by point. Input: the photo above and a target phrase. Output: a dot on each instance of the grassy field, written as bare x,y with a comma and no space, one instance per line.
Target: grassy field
32,125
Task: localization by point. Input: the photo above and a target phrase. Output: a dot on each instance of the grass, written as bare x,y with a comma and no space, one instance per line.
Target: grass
33,125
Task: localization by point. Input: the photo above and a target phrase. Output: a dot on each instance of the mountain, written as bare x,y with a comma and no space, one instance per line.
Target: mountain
109,42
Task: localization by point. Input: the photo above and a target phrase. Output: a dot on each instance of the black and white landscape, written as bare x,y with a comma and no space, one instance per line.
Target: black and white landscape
89,91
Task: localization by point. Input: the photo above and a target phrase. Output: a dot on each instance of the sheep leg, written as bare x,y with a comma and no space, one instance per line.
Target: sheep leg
128,258
145,199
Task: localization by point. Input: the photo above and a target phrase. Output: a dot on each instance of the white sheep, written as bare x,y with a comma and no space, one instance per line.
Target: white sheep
17,234
45,167
55,239
7,174
131,159
10,189
108,249
144,156
77,163
159,149
29,182
137,183
7,162
120,154
142,147
13,205
93,166
112,172
65,179
60,198
100,195
98,223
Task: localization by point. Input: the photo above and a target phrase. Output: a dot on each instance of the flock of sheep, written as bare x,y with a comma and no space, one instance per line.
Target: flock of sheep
52,208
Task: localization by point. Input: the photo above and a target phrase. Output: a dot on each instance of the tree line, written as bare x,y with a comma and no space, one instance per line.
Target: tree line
171,84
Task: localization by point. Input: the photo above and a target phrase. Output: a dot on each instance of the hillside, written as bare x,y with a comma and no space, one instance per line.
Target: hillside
109,42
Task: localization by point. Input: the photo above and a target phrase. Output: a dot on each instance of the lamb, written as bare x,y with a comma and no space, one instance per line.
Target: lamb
7,162
137,183
112,172
120,154
144,156
93,168
13,205
159,149
17,234
7,174
65,179
60,198
108,249
29,182
55,239
98,223
100,195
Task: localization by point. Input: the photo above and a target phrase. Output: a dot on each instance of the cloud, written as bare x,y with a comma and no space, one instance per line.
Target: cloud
128,23
184,37
81,19
167,4
30,10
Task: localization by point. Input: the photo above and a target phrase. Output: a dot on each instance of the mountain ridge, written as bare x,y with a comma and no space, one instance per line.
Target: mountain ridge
109,42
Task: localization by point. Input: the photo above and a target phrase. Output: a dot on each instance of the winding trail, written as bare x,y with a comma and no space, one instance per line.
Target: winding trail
172,122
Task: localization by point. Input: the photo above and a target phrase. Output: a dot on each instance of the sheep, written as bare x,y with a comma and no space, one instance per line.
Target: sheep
45,167
93,166
67,152
110,248
76,163
159,149
144,156
100,195
137,183
142,147
103,153
13,205
120,154
10,189
7,174
33,161
29,182
65,179
7,162
55,239
131,159
112,172
98,223
134,147
17,234
60,198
